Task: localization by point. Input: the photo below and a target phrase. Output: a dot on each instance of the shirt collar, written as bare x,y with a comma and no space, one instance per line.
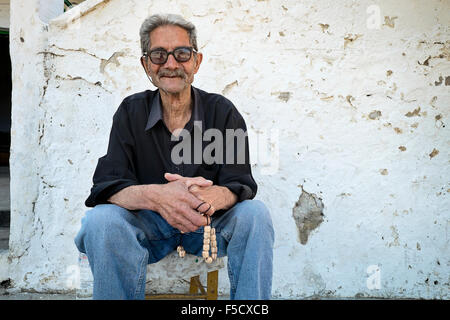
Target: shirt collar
156,112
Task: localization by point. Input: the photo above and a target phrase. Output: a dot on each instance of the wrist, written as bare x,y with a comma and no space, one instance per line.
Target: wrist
152,194
228,198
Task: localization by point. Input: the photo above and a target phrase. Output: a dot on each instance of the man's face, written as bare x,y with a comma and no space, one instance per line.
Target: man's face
172,77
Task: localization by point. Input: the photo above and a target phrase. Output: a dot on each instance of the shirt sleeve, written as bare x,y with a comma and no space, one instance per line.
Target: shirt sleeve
115,170
236,173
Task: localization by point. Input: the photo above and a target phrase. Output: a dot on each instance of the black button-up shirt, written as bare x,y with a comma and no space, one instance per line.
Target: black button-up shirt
140,147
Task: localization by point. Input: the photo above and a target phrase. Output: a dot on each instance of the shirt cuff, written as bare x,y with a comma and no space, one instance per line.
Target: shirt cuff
101,192
242,191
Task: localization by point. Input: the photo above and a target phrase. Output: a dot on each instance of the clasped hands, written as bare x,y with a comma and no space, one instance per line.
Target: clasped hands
184,199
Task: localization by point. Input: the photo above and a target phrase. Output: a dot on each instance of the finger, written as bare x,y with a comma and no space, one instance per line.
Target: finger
195,219
199,181
181,227
176,217
198,196
204,208
193,201
198,207
172,176
210,211
194,188
184,224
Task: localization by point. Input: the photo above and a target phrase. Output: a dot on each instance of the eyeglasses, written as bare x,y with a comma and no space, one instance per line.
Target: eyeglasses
160,55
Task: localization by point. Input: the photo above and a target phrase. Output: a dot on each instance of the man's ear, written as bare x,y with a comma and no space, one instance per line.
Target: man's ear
198,60
144,65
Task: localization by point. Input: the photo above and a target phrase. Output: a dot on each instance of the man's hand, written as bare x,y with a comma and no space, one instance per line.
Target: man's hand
172,201
178,206
216,196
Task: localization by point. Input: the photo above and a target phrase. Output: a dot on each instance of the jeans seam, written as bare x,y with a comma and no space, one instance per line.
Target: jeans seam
231,277
142,275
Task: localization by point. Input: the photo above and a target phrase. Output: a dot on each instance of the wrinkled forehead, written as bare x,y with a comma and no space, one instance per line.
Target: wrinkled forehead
169,37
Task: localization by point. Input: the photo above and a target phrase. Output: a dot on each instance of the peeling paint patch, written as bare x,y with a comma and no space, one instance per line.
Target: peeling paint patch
425,62
439,82
375,115
283,96
308,214
329,98
112,59
395,236
344,194
434,153
438,121
229,86
350,38
324,26
415,113
433,101
349,99
389,21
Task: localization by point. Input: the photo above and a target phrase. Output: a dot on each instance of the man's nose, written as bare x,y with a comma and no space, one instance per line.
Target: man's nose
171,62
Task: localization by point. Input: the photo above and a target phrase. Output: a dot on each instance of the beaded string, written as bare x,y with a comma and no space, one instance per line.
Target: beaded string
209,240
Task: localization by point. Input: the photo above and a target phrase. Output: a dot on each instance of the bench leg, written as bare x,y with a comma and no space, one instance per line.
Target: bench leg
196,286
213,280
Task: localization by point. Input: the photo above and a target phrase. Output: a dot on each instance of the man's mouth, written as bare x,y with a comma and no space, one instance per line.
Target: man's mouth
172,74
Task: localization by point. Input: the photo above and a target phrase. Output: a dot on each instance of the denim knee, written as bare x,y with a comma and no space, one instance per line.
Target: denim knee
98,223
104,216
254,213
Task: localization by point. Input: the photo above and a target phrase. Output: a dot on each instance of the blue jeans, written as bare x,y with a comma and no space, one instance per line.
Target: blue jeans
120,243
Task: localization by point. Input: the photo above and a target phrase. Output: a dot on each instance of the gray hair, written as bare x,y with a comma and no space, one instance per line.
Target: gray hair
158,20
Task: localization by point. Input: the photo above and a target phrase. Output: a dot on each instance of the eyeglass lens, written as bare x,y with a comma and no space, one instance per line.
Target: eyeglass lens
160,56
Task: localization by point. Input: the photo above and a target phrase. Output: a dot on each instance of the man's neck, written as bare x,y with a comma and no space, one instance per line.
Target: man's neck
177,109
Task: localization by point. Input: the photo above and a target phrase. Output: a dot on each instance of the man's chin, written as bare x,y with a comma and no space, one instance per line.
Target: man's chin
173,86
173,90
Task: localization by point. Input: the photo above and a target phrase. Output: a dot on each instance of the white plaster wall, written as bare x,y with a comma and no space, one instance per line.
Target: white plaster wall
50,9
312,73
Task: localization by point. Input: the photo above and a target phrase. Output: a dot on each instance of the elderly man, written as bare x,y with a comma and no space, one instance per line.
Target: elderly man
146,204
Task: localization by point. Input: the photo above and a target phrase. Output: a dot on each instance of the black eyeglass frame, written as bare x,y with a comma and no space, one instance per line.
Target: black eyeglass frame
191,50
